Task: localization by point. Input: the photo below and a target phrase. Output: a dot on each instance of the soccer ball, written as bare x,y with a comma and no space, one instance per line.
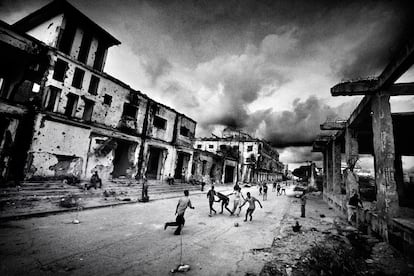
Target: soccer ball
236,224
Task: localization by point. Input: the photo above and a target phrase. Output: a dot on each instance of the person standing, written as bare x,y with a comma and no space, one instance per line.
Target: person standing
252,206
264,191
182,205
145,197
353,204
303,204
278,189
274,186
211,196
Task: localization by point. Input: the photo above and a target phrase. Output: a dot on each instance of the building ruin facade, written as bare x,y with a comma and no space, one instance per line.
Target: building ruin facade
375,130
62,116
255,159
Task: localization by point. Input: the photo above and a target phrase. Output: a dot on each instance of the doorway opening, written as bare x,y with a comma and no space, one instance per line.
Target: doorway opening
228,174
182,165
154,163
121,159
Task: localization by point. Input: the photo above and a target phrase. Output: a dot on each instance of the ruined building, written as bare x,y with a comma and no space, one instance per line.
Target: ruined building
62,116
252,159
374,130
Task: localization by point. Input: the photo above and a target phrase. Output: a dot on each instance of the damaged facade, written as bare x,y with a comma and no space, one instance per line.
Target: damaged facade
62,116
255,159
375,130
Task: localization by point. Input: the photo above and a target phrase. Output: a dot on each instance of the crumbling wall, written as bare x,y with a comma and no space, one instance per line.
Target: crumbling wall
159,133
184,140
169,157
108,114
58,150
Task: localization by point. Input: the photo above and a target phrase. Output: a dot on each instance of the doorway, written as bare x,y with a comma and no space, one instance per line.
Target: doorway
182,165
154,163
121,159
228,174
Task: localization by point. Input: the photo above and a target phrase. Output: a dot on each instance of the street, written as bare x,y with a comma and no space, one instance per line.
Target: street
130,240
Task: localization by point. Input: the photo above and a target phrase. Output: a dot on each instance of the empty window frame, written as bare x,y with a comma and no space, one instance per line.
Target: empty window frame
71,104
78,78
210,146
107,99
85,47
99,56
130,111
223,147
52,96
93,85
68,35
60,70
184,131
88,110
249,148
199,146
160,123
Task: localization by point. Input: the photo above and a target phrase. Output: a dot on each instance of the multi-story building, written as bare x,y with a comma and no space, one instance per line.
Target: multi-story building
62,116
255,159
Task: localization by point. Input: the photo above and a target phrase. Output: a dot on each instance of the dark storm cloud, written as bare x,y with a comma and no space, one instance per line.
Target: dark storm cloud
214,59
300,126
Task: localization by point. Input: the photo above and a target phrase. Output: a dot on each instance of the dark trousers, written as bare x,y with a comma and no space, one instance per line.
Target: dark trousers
302,211
179,221
211,206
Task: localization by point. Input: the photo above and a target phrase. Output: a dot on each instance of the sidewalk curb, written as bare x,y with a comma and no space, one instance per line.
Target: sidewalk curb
60,211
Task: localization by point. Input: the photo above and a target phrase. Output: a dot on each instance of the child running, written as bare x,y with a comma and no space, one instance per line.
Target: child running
252,206
236,202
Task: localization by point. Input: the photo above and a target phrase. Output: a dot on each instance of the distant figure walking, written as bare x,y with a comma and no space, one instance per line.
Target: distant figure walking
211,196
283,190
265,191
274,186
303,204
260,188
145,197
182,205
278,189
252,206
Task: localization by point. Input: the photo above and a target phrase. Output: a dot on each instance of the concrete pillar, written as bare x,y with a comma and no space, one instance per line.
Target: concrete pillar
329,167
351,146
336,166
384,152
325,168
312,182
351,156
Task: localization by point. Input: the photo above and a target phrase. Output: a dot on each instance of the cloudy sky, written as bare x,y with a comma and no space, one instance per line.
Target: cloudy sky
264,66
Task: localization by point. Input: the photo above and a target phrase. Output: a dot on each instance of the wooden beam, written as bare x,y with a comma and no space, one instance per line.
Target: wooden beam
400,89
355,88
369,87
336,125
400,63
358,110
16,40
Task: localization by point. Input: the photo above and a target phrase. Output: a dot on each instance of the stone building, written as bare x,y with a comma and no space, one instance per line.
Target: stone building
62,116
374,129
255,159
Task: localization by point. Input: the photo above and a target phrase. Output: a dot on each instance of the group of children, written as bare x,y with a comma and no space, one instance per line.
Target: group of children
276,187
237,205
185,202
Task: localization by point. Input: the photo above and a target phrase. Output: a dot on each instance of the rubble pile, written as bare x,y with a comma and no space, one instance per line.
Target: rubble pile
327,245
